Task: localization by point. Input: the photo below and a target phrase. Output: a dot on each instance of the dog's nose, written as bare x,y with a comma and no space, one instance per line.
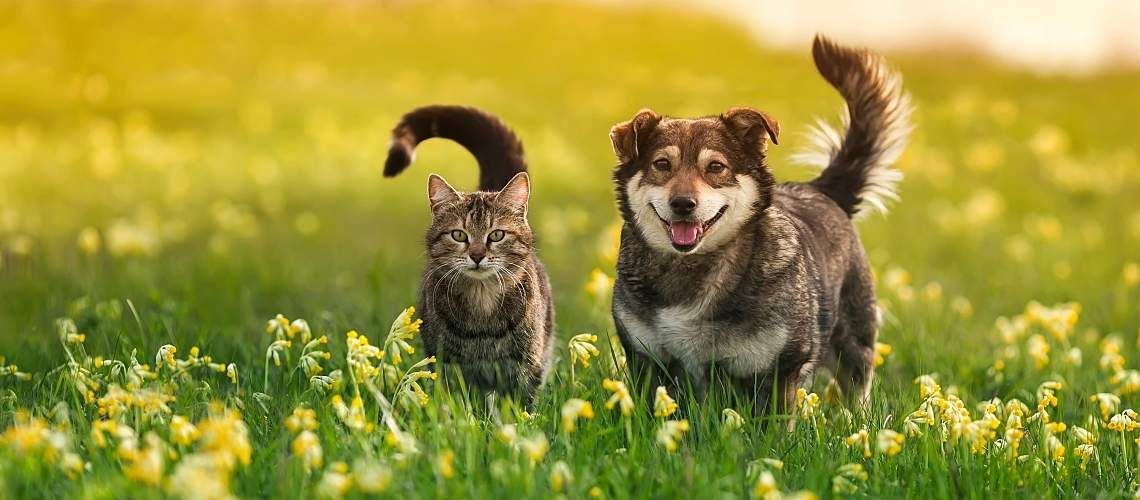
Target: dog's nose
683,205
477,257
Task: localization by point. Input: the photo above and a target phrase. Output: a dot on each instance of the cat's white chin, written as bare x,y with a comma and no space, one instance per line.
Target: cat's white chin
479,273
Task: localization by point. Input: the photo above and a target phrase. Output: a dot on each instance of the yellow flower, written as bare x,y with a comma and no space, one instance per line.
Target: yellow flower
508,434
231,373
600,284
560,476
146,465
663,405
307,447
182,432
1106,402
199,476
806,404
1083,435
165,356
881,352
847,479
1126,381
224,434
301,419
671,432
1055,448
620,397
766,487
1131,274
889,442
574,409
88,240
403,329
1038,350
1087,453
596,492
962,306
1123,422
861,439
278,326
582,348
371,477
927,386
445,464
732,420
534,447
335,482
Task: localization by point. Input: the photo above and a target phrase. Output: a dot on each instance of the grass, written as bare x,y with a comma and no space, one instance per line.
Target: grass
179,174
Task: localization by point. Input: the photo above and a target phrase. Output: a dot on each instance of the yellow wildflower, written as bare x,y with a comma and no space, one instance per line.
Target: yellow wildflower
1123,422
889,442
301,419
600,284
307,447
847,479
663,405
806,404
182,432
620,397
671,432
144,466
1126,381
1131,274
582,348
1083,435
927,386
371,477
1086,452
861,439
335,482
1038,350
574,409
1106,402
881,352
165,356
1055,448
403,329
534,447
560,476
445,464
732,420
766,487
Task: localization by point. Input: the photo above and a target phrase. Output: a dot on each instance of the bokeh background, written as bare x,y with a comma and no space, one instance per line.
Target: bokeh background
217,162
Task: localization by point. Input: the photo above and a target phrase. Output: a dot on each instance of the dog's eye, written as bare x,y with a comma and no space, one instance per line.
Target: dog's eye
715,167
496,235
662,165
459,236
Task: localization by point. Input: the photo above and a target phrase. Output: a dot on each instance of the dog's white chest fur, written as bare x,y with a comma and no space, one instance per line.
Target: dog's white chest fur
683,334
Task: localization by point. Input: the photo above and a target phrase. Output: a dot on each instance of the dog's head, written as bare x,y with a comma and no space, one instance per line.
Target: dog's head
690,184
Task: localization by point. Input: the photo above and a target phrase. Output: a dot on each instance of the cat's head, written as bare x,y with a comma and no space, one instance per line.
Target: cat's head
480,235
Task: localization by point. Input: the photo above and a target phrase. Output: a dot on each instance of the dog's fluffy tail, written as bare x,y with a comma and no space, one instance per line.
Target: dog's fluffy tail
494,145
857,160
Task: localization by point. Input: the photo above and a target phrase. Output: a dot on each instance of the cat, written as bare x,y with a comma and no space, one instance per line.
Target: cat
485,295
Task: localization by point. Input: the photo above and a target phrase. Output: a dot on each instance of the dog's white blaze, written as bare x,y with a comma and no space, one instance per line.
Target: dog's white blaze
644,200
741,201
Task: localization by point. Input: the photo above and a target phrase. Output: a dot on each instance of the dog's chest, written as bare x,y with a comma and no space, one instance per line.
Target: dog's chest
685,334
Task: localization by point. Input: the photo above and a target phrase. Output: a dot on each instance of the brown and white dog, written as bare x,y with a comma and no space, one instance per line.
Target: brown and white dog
722,270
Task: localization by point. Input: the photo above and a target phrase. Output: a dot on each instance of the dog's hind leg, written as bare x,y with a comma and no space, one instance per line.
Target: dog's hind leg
853,338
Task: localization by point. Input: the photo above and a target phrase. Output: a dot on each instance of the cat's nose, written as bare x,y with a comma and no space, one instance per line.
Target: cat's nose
477,257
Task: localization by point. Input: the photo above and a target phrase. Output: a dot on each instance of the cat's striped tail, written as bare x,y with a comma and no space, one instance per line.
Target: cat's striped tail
494,145
857,160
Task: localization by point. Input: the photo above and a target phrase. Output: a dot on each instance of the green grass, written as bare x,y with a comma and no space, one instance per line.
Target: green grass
228,158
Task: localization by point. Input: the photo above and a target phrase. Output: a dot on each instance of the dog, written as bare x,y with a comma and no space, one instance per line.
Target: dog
724,272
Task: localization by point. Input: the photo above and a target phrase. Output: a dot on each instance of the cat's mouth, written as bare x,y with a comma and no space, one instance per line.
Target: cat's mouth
687,234
478,271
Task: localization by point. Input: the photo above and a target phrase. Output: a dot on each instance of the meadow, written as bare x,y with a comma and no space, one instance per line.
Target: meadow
205,282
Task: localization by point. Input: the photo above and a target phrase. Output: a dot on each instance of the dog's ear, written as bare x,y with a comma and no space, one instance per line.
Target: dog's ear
439,191
628,135
752,126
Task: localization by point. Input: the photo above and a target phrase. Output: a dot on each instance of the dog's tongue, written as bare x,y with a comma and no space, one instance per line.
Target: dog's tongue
685,233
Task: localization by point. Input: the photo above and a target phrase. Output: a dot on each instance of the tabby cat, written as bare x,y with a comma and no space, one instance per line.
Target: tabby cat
485,296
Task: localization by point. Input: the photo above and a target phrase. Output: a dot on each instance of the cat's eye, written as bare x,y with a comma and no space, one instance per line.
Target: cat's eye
459,236
496,235
662,165
715,167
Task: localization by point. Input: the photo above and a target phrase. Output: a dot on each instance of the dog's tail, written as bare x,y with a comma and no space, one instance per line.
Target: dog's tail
857,161
494,145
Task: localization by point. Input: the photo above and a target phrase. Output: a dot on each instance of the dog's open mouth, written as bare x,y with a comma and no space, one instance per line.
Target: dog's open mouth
686,234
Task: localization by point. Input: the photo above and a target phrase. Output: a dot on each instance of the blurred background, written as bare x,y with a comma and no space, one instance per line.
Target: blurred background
217,162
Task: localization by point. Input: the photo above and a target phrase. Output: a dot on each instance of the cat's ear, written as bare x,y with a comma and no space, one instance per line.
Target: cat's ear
516,194
440,192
